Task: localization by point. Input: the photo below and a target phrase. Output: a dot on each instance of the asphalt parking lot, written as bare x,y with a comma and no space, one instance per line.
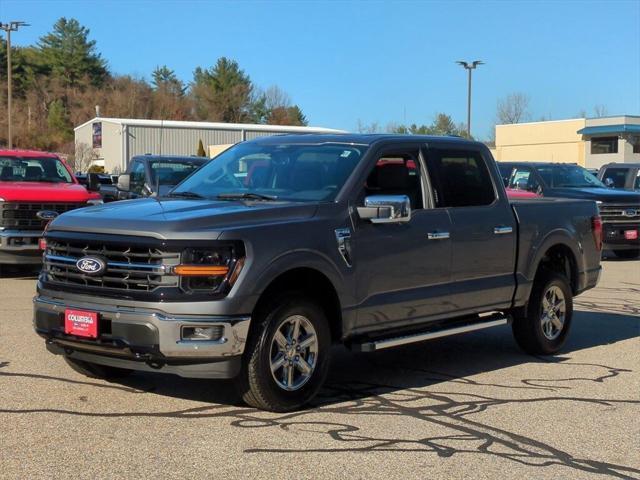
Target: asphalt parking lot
459,407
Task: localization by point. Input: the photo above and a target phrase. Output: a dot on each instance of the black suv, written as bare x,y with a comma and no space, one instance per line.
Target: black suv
620,210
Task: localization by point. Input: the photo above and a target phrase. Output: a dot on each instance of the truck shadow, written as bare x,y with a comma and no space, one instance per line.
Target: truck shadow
20,272
433,384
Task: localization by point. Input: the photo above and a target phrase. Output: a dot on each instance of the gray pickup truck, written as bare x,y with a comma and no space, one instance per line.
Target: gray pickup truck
256,264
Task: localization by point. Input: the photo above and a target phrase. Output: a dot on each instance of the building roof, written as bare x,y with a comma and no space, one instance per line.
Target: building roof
209,125
610,129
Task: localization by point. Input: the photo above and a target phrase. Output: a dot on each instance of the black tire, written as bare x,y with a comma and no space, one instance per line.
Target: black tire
627,254
529,323
256,384
93,370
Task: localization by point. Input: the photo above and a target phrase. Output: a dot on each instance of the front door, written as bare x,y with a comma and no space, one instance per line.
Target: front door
402,270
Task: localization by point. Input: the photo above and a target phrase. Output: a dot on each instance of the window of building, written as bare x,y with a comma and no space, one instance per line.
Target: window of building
604,145
461,179
636,147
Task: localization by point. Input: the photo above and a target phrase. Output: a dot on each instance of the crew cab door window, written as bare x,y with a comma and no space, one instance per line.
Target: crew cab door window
461,179
137,178
483,231
402,278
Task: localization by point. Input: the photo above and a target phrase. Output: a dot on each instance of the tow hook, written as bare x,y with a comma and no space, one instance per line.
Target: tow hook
155,365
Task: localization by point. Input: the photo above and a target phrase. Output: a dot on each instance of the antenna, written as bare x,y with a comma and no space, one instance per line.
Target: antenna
161,132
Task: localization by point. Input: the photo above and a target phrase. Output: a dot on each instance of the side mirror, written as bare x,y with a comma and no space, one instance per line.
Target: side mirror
124,182
608,182
386,209
93,182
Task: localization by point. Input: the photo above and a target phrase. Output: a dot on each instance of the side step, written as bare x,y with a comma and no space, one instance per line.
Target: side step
493,320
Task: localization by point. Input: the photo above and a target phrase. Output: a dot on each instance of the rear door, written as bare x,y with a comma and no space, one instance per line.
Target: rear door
483,228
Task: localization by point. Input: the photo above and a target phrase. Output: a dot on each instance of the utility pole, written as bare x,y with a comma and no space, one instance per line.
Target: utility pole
10,27
469,66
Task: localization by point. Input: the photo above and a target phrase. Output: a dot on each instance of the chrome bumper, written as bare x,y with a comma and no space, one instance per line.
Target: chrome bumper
164,329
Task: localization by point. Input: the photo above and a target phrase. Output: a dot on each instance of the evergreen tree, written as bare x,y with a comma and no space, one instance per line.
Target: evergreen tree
71,56
165,80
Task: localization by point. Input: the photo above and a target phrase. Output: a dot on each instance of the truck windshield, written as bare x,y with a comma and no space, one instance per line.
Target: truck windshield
570,176
171,173
33,169
275,172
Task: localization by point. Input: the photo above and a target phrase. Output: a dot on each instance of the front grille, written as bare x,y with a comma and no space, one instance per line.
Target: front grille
135,268
23,215
620,213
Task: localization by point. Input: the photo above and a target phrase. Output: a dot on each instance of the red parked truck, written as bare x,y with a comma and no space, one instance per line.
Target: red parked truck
35,187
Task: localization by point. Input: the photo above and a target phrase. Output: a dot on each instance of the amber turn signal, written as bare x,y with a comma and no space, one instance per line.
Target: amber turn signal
200,270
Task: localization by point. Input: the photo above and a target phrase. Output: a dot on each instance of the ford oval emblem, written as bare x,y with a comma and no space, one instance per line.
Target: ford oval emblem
91,265
46,214
630,212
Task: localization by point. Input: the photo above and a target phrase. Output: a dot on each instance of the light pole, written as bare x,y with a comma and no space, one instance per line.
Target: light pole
10,27
469,66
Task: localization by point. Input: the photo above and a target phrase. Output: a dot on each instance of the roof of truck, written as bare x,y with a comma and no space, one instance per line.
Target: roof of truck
26,153
358,138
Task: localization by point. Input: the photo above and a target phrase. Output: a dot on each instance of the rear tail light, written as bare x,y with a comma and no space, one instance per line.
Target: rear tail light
42,244
596,228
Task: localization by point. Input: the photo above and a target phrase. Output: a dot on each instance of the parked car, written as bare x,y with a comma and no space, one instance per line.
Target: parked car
105,184
515,194
620,210
255,264
152,175
625,176
34,188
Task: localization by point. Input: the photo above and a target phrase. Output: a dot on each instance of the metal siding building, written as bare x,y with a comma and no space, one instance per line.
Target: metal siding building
113,141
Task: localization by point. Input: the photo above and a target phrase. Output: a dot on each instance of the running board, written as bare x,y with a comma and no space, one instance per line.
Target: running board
374,345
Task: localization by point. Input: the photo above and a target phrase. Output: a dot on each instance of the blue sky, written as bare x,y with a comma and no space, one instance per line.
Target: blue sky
377,61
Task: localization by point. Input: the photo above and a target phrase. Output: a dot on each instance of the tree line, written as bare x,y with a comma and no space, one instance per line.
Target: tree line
59,81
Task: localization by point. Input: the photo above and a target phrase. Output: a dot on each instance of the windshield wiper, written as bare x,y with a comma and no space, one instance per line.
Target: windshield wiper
187,195
246,196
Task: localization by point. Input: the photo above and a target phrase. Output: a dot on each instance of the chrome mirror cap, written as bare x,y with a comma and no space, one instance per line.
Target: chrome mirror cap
386,209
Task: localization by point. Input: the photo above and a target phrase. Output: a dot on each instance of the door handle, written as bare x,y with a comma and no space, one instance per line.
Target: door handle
438,235
501,230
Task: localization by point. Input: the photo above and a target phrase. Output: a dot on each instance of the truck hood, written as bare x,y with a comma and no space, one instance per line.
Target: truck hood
44,192
605,195
179,218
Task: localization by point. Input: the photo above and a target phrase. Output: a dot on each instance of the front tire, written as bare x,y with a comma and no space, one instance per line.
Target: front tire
93,370
627,254
286,359
542,328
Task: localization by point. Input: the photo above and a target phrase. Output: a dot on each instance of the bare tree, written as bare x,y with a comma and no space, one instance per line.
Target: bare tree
83,158
600,111
373,127
275,97
514,108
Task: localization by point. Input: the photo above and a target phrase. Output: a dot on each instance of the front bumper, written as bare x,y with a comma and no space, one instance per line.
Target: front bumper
614,239
20,247
145,339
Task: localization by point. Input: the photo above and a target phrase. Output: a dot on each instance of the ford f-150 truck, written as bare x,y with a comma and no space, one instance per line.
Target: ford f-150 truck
255,264
34,188
620,210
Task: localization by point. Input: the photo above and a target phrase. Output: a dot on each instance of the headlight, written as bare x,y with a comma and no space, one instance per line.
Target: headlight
96,201
212,270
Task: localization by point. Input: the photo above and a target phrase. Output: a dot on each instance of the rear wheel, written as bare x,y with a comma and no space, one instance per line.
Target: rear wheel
627,254
287,356
544,327
93,370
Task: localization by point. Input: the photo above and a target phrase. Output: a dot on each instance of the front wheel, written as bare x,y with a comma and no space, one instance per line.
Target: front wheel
544,327
287,356
627,254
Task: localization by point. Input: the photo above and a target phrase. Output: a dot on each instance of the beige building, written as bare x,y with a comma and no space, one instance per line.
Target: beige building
590,142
